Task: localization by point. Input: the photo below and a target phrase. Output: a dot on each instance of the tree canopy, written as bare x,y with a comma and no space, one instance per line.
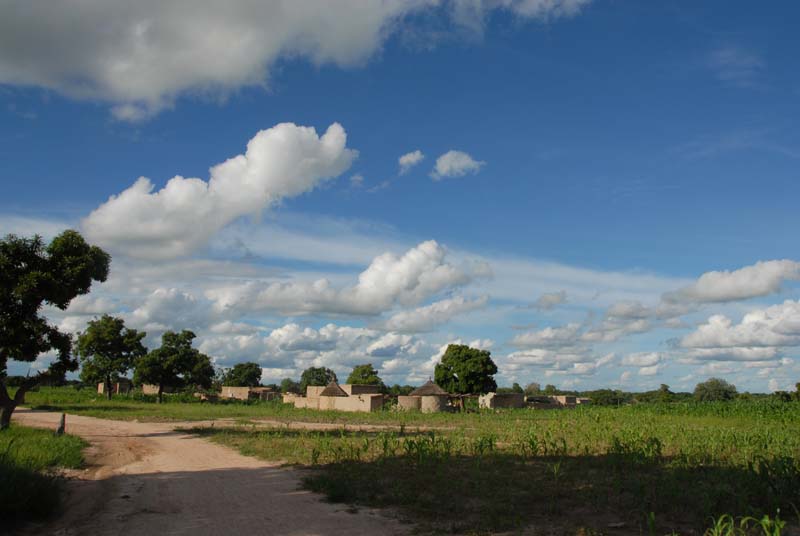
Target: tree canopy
243,375
316,376
175,364
714,389
466,370
32,275
289,385
107,350
364,375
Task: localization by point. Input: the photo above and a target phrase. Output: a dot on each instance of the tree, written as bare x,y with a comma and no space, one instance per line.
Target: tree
243,375
517,388
289,385
466,370
32,275
398,390
316,376
364,375
175,364
107,349
550,389
533,388
664,394
714,389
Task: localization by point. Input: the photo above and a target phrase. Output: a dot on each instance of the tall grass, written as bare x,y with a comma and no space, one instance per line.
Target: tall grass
30,487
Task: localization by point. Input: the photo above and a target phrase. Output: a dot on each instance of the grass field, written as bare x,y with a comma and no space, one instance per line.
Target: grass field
29,461
649,468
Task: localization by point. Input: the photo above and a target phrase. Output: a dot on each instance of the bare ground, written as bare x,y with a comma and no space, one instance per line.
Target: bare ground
153,478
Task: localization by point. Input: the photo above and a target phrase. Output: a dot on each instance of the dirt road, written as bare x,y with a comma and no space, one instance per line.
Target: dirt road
148,478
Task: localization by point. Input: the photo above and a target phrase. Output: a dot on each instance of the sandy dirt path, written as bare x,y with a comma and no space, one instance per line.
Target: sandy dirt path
149,478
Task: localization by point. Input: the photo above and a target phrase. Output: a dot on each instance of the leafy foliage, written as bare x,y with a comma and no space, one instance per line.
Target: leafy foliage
289,385
175,364
107,350
316,376
32,275
714,389
466,370
364,375
243,375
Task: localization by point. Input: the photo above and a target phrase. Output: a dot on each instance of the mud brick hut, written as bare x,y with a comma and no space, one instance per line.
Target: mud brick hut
345,397
428,398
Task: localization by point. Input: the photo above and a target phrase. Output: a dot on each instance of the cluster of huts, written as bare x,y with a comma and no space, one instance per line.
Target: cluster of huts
347,397
428,398
124,386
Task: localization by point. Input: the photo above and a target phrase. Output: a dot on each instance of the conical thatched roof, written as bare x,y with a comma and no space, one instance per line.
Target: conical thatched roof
428,389
333,389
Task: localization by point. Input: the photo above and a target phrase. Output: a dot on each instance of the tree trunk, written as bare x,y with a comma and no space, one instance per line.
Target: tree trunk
108,387
5,414
160,392
8,404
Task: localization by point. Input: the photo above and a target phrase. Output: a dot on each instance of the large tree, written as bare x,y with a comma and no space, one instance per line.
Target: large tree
288,385
175,364
243,375
32,275
364,375
466,370
714,389
107,350
316,376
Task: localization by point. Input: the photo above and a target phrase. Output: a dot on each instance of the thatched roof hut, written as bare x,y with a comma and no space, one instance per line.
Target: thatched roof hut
333,389
428,389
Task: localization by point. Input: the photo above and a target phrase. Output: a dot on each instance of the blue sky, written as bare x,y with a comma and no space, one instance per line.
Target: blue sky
595,159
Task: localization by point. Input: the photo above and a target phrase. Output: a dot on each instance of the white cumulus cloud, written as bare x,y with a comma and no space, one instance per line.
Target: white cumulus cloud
455,164
390,280
760,279
141,56
281,162
432,316
409,160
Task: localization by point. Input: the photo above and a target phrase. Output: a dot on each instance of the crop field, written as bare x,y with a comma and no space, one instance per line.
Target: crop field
651,469
648,468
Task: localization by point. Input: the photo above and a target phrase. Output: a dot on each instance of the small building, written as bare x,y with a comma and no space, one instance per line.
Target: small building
345,397
501,400
428,398
248,393
121,386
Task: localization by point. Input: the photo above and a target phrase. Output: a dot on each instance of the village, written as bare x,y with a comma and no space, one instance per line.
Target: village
428,398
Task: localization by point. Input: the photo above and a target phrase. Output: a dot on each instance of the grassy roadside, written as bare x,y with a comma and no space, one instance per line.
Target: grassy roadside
30,488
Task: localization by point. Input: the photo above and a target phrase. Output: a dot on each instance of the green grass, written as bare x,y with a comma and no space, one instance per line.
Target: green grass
673,469
30,488
653,467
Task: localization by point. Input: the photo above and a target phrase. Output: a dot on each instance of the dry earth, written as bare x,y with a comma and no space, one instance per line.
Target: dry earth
152,478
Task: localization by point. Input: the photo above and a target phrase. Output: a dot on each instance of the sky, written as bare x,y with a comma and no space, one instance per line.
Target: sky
603,193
